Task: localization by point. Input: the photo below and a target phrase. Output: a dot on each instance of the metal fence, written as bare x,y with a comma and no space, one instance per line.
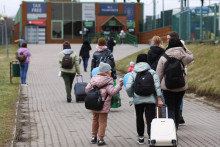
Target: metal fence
198,24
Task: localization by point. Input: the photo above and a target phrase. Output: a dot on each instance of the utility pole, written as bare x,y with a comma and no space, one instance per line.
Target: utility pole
2,23
154,14
181,5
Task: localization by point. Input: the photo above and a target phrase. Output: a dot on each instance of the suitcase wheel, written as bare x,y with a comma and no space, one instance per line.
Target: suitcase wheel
174,142
153,142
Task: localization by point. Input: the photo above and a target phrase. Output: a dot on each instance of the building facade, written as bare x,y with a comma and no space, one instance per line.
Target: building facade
58,21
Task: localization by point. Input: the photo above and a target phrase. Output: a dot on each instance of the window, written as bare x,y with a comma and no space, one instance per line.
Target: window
67,11
57,30
56,11
77,27
67,29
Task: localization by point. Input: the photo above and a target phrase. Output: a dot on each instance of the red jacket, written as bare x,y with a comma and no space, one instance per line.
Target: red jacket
130,69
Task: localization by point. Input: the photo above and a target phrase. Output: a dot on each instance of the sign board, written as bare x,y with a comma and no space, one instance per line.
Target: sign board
205,10
88,24
131,24
36,8
108,8
88,12
129,10
112,23
36,11
37,22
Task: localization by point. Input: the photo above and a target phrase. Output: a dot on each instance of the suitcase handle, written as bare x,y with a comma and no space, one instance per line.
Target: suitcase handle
78,77
166,111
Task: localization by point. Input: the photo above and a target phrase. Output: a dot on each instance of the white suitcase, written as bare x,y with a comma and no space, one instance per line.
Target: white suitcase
163,132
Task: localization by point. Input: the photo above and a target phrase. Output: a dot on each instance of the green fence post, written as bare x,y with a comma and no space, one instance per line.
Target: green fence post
189,25
201,24
180,30
215,21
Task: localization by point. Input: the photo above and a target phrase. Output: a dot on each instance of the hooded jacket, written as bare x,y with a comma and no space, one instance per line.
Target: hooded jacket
26,53
99,81
179,53
76,68
84,52
99,56
137,99
111,44
154,55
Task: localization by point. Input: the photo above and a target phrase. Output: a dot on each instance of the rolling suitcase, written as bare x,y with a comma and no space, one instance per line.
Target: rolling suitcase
163,131
79,89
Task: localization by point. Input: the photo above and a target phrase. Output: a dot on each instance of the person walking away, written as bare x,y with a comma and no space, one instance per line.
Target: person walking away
84,53
103,55
99,120
155,52
173,90
111,44
170,35
144,102
24,61
69,66
131,67
122,36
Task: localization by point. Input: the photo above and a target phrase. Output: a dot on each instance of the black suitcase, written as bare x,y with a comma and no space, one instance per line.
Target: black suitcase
79,89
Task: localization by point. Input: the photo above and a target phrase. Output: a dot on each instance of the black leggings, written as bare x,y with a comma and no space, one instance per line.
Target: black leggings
173,101
149,110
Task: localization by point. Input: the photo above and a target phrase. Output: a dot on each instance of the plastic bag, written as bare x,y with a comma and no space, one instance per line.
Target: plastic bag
116,100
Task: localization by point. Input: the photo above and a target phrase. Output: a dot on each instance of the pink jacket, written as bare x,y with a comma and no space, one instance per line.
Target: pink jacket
179,53
99,81
26,52
131,68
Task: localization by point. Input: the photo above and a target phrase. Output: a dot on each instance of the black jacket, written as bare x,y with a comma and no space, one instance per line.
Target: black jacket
99,57
84,52
111,44
154,55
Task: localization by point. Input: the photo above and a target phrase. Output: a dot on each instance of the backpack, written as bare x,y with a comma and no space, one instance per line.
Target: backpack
107,59
174,73
67,62
93,99
144,83
21,57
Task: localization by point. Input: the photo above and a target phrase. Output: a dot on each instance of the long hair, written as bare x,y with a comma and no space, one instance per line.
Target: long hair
174,42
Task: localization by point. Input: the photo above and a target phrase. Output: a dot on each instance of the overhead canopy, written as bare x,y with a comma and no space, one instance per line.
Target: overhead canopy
113,20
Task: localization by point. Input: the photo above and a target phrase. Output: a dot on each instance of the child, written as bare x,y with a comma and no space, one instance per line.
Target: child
131,67
99,121
144,104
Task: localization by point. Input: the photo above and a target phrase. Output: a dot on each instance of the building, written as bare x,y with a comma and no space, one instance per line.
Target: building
54,21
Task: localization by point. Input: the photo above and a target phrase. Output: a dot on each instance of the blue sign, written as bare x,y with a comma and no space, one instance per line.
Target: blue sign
205,10
108,8
36,8
129,10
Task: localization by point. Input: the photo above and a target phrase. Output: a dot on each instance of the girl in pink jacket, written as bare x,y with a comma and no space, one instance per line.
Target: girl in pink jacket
99,121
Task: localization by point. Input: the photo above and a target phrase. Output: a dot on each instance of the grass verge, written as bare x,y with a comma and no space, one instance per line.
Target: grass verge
8,96
203,76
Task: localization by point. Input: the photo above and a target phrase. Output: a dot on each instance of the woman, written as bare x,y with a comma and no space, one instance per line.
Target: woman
24,65
84,53
68,74
144,104
111,44
173,97
99,121
103,55
155,52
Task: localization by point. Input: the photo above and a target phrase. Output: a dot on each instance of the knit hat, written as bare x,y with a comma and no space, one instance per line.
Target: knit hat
131,63
141,58
104,67
66,45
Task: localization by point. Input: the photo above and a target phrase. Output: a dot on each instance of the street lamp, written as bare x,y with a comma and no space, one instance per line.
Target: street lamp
6,33
2,23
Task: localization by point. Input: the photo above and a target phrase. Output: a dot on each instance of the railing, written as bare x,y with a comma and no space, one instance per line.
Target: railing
131,39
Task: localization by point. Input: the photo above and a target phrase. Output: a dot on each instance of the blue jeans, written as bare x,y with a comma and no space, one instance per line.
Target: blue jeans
23,69
85,62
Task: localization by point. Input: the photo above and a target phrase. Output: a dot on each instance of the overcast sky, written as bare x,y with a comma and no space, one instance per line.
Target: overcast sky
12,6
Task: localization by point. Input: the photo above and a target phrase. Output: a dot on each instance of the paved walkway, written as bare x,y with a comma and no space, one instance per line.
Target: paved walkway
56,123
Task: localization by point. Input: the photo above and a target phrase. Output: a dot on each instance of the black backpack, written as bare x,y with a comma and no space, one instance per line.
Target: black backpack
93,99
144,83
21,57
174,73
67,62
107,59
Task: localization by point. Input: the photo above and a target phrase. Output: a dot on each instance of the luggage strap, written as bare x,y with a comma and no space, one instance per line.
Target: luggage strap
166,111
103,87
